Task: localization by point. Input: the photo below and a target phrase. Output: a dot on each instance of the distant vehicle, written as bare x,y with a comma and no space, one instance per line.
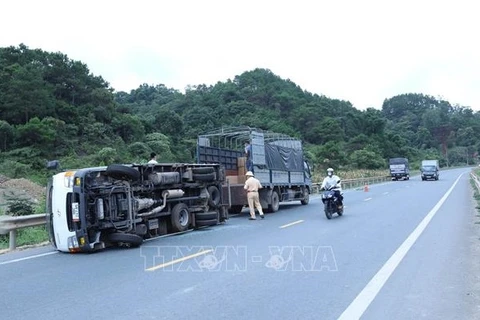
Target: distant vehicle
430,170
399,168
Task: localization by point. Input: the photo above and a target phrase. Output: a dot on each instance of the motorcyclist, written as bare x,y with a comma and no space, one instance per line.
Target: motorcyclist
333,180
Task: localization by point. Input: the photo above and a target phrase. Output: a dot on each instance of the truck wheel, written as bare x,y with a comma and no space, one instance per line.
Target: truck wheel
127,239
273,207
214,199
204,176
306,197
121,172
180,217
203,170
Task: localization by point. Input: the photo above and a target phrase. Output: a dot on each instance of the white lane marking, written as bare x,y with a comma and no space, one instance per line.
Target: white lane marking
28,258
163,265
367,199
358,306
291,224
186,290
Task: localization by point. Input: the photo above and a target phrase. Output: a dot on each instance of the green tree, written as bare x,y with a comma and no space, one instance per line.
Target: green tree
128,127
367,159
7,134
107,156
161,145
36,132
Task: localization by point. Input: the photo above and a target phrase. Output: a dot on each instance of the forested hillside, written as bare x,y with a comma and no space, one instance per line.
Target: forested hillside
52,107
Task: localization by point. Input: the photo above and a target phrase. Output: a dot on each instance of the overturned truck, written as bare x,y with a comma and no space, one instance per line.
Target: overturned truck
276,159
121,205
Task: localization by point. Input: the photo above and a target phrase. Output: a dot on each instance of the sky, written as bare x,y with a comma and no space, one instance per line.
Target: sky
359,51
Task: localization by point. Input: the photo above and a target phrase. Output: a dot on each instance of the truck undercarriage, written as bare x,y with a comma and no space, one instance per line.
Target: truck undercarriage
125,204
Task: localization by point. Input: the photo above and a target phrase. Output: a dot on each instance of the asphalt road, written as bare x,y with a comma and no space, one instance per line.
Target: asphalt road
402,250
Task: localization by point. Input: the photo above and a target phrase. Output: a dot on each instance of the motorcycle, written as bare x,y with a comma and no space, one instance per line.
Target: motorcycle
331,202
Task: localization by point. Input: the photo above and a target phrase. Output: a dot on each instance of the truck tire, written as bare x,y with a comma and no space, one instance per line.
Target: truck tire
203,170
210,215
204,176
214,199
129,239
121,172
180,217
306,197
275,202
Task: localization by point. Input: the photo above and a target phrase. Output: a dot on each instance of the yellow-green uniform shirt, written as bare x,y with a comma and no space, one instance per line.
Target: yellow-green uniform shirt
252,184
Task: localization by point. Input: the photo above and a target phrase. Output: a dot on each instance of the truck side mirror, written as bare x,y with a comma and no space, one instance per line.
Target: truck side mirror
53,165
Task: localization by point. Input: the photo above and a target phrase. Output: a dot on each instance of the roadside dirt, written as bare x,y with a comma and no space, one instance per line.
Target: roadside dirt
21,188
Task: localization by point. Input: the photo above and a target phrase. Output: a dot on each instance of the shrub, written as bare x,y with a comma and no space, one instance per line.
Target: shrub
18,206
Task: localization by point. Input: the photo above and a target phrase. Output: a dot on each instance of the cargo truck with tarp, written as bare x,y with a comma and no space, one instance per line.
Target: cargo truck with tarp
276,159
399,168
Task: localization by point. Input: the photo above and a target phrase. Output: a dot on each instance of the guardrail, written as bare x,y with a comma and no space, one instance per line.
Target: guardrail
476,181
9,225
355,183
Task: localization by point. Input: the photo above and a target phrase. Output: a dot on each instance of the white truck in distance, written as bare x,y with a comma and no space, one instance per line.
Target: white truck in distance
430,170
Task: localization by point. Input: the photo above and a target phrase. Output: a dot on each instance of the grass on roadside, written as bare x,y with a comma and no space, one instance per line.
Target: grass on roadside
476,193
27,236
